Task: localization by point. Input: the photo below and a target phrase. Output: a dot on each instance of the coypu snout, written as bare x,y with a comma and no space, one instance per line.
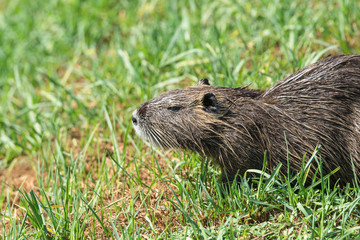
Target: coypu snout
134,118
136,121
318,105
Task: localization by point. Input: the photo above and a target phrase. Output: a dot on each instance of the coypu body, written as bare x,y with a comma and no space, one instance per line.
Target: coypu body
318,105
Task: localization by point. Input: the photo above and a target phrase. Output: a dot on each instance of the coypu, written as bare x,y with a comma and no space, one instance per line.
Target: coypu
318,105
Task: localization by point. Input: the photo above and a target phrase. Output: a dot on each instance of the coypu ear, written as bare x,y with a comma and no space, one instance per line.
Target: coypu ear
209,101
203,81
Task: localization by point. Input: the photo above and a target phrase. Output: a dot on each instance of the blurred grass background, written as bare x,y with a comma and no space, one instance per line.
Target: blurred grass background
71,73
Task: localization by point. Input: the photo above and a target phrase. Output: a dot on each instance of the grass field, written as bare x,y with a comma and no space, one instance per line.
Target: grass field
72,72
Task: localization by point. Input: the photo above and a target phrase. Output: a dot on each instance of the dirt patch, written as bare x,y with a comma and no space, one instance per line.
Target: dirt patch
20,175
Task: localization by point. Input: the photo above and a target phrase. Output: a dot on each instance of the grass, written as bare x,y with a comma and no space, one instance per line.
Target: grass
73,71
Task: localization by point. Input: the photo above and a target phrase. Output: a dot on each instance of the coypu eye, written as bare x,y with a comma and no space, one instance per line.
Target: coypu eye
174,108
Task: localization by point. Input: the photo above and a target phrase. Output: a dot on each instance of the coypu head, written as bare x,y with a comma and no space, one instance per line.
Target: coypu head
187,118
167,121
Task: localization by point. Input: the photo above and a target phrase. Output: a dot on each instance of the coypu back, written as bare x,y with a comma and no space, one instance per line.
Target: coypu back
318,105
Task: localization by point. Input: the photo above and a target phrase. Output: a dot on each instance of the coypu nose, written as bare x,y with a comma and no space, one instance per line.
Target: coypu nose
134,118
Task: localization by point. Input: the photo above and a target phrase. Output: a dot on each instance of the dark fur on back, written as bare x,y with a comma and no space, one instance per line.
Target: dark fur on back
318,105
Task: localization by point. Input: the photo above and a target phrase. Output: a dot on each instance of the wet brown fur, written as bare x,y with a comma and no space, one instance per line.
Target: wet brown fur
318,105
